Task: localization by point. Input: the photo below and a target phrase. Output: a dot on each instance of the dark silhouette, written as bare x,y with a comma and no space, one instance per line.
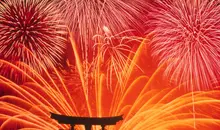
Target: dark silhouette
86,121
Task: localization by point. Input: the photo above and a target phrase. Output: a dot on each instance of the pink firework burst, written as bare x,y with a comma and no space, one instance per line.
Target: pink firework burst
87,17
187,37
31,29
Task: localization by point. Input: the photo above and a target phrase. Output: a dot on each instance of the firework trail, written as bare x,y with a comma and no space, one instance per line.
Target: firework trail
113,53
28,29
144,107
187,38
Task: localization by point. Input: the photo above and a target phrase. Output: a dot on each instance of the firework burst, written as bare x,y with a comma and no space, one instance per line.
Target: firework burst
144,104
31,29
187,37
28,106
86,18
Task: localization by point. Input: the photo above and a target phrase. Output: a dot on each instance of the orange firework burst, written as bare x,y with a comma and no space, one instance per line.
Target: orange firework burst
28,29
146,102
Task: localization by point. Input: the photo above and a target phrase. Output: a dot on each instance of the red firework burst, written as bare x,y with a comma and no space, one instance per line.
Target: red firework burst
31,29
187,36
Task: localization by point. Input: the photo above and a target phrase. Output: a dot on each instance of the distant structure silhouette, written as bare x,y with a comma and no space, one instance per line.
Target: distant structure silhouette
86,121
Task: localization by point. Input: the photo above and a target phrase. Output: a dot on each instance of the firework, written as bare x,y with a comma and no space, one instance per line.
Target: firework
30,30
113,53
86,18
187,38
28,106
143,103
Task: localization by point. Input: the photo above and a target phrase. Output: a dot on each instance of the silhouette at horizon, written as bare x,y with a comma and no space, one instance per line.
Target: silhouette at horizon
86,121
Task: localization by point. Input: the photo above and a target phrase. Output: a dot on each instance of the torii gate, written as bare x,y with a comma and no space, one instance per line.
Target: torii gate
86,121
